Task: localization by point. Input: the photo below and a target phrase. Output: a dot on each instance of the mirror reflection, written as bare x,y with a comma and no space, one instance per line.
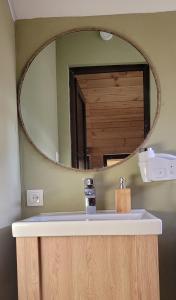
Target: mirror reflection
88,102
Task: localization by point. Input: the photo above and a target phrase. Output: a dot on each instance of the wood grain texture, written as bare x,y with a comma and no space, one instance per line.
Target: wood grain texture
147,268
112,99
123,200
109,75
111,82
28,269
100,268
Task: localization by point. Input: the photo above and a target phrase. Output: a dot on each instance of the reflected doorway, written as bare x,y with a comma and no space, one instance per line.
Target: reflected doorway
110,112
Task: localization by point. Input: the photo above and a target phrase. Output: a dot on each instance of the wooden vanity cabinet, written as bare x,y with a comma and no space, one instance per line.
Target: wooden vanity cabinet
88,268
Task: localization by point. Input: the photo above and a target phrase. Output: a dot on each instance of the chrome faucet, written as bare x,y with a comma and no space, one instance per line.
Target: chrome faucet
90,197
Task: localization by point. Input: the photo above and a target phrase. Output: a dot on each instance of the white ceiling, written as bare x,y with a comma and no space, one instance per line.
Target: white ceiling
28,9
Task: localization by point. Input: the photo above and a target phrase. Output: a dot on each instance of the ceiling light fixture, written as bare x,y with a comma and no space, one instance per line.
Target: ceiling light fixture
106,36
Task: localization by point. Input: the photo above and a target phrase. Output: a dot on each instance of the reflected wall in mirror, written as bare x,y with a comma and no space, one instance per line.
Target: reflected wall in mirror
87,103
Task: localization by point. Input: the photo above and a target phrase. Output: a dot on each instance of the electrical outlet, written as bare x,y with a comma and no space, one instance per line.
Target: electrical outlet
34,197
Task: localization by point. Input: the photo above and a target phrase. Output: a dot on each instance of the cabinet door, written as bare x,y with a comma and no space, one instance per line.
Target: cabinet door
99,268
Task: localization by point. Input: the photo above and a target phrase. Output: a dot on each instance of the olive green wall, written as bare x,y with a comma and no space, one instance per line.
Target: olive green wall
10,198
39,101
63,188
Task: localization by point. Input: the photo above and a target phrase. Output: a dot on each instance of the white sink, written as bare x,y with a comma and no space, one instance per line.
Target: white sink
137,222
80,216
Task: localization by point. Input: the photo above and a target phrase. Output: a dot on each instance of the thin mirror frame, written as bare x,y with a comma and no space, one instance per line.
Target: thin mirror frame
45,44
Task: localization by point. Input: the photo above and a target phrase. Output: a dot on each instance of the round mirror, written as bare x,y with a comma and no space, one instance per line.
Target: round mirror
87,99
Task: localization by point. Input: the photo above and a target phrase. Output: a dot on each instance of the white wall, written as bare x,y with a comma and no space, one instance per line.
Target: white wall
10,198
25,9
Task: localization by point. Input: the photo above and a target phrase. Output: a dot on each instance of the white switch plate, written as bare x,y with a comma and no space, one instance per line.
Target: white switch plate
34,197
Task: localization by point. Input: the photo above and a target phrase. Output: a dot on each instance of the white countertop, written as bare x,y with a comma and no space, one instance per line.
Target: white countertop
137,222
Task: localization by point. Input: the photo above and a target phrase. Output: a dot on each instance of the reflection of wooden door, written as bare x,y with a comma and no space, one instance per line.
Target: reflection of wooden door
78,128
117,108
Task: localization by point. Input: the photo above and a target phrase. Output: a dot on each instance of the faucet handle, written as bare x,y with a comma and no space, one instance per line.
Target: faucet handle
88,181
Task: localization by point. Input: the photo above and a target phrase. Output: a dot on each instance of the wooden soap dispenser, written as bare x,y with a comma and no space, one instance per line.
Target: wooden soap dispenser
123,197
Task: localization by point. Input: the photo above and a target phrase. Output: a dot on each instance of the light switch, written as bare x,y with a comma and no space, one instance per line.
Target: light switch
34,197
